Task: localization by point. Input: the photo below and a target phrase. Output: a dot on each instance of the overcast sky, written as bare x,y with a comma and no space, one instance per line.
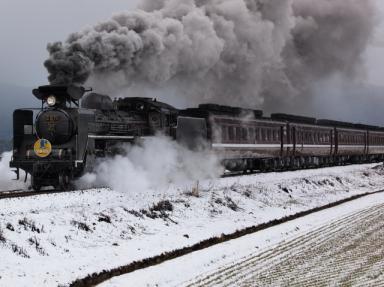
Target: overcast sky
26,26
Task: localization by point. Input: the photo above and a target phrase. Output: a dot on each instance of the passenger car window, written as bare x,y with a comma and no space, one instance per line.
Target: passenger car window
231,133
244,134
238,133
257,134
224,133
251,133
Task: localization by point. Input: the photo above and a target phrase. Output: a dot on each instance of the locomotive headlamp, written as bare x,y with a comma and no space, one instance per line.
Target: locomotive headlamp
51,101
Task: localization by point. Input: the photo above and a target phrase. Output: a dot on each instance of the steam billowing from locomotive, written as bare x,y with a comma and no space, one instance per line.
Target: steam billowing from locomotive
238,52
143,167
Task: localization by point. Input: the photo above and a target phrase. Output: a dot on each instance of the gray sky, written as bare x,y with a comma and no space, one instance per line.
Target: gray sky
26,26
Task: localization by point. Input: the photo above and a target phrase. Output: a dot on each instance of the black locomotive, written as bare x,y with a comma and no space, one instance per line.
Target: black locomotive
58,142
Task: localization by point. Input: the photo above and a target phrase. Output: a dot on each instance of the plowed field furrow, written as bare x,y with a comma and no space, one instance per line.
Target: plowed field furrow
345,252
327,258
273,253
329,245
290,245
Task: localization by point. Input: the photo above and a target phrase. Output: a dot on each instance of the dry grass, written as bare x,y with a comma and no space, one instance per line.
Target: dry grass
30,225
10,227
2,237
19,250
81,225
34,241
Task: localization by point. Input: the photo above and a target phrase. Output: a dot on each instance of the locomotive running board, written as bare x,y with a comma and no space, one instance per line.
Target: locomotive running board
117,137
112,137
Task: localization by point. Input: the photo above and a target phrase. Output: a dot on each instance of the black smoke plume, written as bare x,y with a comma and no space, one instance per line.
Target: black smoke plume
263,53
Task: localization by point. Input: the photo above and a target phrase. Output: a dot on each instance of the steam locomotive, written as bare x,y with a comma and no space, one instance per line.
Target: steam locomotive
58,142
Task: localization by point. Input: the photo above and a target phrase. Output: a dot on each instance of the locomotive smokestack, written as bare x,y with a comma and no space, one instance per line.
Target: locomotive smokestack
243,52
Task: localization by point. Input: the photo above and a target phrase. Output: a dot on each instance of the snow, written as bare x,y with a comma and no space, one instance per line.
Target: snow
58,238
224,257
7,175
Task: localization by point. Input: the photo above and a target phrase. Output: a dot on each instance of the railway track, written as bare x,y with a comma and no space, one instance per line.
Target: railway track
97,278
18,193
26,193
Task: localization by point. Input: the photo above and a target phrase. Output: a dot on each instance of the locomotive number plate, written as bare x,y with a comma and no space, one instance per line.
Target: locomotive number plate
42,148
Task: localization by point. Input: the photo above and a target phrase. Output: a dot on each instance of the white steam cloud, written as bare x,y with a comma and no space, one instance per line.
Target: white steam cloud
155,164
263,53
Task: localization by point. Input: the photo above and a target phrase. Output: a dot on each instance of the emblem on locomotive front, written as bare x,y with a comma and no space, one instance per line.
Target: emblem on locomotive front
51,122
42,148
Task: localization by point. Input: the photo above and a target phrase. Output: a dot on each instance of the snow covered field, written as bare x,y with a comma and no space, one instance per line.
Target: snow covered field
54,239
341,246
